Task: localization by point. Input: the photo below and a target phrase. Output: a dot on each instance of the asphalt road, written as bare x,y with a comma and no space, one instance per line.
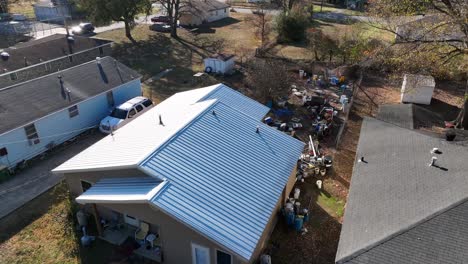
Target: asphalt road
38,178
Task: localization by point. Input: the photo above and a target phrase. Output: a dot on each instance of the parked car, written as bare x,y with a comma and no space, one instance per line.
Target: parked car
18,17
160,19
160,27
83,29
125,113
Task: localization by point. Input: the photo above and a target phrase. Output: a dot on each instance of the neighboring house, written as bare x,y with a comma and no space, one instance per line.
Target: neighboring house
52,10
219,63
29,60
197,12
401,209
417,89
200,168
429,28
41,113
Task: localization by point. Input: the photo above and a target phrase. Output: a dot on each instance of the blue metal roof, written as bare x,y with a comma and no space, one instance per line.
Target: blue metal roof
121,190
224,179
238,101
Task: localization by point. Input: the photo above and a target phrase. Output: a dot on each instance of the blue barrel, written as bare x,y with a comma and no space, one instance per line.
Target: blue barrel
298,223
290,218
306,217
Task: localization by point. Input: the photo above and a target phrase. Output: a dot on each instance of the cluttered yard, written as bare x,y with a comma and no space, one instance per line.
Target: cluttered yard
323,105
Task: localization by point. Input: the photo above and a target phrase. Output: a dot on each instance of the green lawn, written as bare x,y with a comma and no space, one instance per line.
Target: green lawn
331,204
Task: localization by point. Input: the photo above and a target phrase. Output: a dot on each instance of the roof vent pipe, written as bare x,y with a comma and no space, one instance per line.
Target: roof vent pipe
98,60
450,135
258,130
433,161
5,55
160,121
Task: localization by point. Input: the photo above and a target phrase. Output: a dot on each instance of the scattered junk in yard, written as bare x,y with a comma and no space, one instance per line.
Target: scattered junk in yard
315,111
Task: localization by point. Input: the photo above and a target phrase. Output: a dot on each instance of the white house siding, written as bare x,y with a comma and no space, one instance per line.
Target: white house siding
58,127
216,15
211,16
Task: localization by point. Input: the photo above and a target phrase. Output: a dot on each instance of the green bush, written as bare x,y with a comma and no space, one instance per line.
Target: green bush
291,27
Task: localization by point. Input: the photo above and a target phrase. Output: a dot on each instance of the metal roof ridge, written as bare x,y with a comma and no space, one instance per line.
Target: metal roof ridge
169,138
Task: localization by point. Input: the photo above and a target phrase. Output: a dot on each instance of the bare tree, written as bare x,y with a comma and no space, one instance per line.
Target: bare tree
441,34
268,79
287,5
174,12
261,21
3,6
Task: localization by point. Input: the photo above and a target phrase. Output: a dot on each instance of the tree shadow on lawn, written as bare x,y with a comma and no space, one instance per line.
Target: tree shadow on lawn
152,56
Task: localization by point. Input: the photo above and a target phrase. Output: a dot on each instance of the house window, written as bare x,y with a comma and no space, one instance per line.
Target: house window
131,113
101,51
110,99
13,76
85,185
73,111
31,134
200,255
223,257
131,220
147,102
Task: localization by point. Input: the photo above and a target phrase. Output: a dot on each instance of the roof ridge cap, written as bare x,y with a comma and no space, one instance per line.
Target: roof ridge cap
401,231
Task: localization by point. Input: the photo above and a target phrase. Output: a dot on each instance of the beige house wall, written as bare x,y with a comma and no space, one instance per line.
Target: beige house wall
74,179
176,237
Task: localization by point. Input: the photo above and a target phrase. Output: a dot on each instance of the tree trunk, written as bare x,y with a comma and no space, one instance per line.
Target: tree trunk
464,119
128,32
174,20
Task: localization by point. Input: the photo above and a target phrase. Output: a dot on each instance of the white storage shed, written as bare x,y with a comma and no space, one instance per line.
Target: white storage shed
219,63
417,89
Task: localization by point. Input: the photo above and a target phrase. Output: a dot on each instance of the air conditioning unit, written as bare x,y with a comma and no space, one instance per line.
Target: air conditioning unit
34,141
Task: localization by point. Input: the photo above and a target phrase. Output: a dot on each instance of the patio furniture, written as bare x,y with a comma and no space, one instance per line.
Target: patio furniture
151,238
142,232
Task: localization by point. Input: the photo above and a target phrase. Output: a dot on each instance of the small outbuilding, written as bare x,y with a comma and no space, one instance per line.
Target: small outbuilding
417,89
219,63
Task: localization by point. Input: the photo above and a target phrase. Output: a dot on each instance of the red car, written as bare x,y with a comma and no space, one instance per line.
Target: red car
160,19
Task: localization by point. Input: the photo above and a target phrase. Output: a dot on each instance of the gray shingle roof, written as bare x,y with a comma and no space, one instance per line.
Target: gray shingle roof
28,101
395,196
409,116
48,48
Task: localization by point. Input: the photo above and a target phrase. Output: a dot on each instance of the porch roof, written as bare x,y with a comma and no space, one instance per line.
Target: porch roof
122,190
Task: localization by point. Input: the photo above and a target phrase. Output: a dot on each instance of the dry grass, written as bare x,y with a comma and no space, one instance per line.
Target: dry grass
22,7
157,52
48,239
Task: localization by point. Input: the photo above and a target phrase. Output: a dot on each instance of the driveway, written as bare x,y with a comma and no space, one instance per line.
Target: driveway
34,180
